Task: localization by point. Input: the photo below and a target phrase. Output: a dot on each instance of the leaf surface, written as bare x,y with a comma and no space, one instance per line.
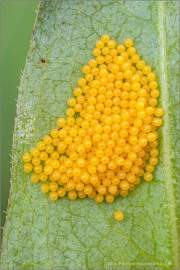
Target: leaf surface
80,234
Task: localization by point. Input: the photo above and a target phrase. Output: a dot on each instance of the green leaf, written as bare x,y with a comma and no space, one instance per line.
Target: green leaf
80,234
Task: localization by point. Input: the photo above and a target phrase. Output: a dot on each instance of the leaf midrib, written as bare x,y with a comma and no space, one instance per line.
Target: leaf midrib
166,143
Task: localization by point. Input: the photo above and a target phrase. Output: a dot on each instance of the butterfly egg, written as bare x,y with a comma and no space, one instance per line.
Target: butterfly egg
118,215
108,140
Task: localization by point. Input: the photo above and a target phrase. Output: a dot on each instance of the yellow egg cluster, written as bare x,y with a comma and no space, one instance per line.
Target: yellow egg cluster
108,139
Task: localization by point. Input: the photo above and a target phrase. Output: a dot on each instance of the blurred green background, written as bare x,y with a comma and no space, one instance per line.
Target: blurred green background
17,20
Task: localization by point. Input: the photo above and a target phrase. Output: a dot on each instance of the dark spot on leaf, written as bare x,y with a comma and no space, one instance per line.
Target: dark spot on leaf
63,23
95,6
43,61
